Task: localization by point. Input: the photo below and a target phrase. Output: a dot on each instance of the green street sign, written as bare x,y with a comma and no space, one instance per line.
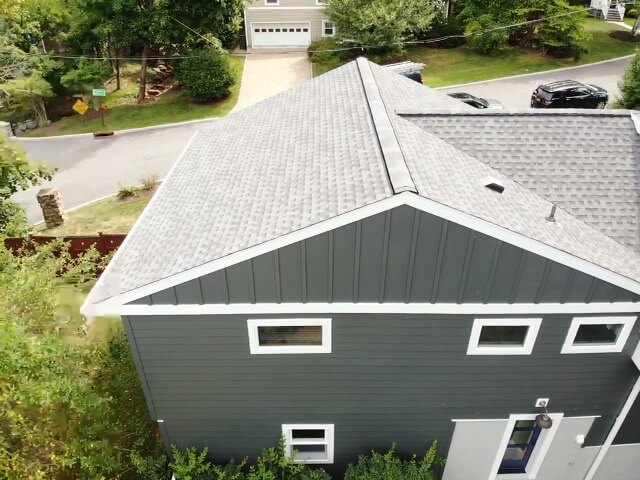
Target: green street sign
99,92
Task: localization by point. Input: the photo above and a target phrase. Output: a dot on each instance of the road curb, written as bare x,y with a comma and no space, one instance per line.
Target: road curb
118,132
542,72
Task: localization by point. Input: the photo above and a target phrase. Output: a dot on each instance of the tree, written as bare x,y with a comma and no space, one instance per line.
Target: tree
630,85
16,173
480,36
26,97
381,23
207,74
85,76
635,31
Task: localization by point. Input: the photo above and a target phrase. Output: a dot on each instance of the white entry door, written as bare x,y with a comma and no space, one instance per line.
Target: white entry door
281,34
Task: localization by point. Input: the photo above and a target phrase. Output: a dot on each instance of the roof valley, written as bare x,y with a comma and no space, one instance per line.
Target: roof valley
396,166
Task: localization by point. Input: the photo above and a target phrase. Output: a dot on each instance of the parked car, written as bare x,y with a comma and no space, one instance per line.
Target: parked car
408,69
569,94
476,102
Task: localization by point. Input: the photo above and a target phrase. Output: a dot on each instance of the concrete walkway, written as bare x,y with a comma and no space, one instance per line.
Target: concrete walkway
268,74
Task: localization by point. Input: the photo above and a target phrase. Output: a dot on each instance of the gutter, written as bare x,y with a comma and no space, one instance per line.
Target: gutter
633,395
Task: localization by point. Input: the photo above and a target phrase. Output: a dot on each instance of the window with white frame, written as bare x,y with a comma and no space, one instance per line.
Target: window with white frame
321,2
524,446
271,2
289,335
309,443
328,28
598,334
503,336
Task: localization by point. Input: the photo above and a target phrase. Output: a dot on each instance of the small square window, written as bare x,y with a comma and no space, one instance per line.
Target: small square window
271,30
598,334
309,443
277,30
271,2
305,29
328,30
264,29
292,29
291,335
503,336
256,30
298,29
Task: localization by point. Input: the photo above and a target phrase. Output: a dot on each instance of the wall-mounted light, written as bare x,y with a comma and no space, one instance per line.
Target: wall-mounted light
543,420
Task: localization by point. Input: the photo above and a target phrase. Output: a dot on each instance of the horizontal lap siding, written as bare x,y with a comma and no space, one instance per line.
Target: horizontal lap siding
389,378
398,256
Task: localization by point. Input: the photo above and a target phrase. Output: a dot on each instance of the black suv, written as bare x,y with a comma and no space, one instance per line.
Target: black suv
569,94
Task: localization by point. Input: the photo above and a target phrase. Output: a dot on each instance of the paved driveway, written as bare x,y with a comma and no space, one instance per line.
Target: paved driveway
516,92
267,74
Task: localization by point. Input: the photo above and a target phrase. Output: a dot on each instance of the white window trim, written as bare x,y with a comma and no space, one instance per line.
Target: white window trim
525,349
324,22
254,344
329,430
627,326
542,445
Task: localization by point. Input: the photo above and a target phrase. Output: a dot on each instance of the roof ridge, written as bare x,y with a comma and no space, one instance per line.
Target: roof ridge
397,169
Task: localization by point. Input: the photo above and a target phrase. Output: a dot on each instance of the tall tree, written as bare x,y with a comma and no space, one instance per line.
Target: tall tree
630,85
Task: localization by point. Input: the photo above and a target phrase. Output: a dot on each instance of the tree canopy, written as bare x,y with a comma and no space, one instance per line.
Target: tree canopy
630,85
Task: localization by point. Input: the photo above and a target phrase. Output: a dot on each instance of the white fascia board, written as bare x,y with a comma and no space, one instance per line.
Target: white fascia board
366,308
404,198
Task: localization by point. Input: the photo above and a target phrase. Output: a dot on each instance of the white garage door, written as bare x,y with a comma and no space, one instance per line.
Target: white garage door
280,34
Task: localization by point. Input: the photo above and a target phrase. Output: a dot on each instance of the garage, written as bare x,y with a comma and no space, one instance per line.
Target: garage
281,34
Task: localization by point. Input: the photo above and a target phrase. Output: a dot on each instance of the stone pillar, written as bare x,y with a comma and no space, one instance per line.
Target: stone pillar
5,129
50,202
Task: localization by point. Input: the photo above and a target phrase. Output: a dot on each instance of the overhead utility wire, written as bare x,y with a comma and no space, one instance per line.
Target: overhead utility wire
341,49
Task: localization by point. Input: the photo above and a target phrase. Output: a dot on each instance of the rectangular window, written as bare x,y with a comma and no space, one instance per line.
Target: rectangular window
524,446
598,334
291,335
309,443
271,2
328,30
503,336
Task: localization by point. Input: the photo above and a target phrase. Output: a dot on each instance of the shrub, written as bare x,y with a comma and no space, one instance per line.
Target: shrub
389,466
126,191
487,43
630,85
149,182
85,76
13,219
273,464
207,75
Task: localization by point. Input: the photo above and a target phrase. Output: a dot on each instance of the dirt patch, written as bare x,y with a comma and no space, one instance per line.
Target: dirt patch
138,195
624,36
92,114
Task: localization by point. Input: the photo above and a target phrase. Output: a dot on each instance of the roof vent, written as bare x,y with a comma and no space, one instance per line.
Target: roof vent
492,183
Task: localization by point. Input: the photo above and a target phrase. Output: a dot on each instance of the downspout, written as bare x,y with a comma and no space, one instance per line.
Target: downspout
602,453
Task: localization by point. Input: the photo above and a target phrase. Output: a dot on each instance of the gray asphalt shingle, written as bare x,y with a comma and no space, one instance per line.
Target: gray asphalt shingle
313,152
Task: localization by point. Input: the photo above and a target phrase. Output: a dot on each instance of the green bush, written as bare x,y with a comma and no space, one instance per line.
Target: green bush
207,74
126,191
86,76
488,43
444,27
630,85
389,466
13,219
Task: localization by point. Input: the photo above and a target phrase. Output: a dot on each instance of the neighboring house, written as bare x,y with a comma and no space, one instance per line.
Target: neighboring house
362,260
610,9
290,24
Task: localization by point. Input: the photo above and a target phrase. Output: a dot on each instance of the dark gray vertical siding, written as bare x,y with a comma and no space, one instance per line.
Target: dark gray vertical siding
630,430
389,378
403,255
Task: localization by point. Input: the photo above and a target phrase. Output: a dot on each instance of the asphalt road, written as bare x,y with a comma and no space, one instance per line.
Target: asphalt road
515,93
89,168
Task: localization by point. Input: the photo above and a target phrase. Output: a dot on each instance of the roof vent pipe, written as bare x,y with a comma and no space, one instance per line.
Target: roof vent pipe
552,215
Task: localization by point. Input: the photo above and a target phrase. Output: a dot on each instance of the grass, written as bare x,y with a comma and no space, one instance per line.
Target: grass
630,21
463,65
173,106
109,216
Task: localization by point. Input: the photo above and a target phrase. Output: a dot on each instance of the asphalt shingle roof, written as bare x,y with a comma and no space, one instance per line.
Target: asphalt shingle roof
318,150
587,162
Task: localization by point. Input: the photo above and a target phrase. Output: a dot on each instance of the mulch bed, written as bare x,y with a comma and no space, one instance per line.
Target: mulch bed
624,36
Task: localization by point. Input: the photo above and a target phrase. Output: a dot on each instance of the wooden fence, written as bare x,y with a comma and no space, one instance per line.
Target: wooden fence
103,242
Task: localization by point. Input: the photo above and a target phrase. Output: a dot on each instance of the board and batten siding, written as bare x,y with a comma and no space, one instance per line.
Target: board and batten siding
389,378
402,255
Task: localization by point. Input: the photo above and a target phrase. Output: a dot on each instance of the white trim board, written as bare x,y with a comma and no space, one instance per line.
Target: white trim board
533,327
404,198
569,347
355,308
542,445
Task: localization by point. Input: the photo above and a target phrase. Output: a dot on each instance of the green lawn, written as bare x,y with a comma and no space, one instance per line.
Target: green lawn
463,65
630,21
168,108
108,216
